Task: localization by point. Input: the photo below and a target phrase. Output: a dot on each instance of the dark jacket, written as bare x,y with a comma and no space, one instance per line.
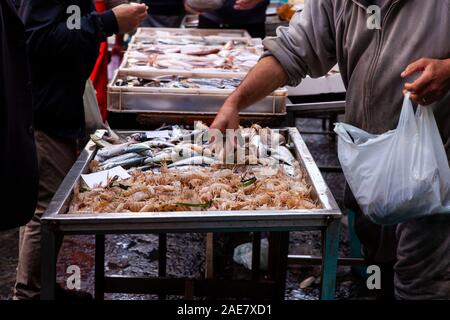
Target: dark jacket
228,15
18,162
165,7
61,60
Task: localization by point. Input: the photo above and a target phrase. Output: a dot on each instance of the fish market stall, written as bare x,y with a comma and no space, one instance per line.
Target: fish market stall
165,183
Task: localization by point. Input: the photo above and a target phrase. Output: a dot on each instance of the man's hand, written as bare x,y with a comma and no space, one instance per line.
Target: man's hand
267,76
129,16
246,4
227,118
433,83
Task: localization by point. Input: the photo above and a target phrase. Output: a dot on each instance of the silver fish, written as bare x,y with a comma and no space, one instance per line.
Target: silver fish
198,136
283,154
122,157
159,144
182,152
113,150
163,156
147,153
137,147
199,160
125,163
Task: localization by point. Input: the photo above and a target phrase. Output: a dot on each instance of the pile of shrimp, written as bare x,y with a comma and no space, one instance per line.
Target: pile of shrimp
197,189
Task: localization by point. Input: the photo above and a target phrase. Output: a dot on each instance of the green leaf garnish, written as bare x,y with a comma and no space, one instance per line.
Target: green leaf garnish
249,182
195,205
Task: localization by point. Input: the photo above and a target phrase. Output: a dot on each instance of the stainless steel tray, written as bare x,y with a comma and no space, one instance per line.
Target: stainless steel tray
204,101
192,221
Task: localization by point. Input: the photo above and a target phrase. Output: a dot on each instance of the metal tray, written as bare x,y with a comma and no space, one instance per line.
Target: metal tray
204,101
179,32
265,220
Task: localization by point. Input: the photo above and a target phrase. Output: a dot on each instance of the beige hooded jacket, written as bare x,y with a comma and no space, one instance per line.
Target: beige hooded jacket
371,61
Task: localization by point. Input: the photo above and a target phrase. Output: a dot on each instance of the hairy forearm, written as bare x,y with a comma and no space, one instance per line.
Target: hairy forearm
267,76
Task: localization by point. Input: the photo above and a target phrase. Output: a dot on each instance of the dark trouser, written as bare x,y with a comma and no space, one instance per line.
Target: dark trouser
256,30
55,158
414,256
379,246
422,271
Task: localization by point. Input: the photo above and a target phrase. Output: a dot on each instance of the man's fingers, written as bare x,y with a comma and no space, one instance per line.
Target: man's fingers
420,84
419,65
423,100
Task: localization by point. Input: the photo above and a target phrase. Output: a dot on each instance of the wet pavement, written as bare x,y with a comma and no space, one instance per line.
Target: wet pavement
138,254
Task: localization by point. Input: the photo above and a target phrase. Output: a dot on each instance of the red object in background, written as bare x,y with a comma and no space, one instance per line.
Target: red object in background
99,75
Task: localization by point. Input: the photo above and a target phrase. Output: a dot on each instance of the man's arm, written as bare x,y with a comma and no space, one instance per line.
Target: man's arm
267,76
307,47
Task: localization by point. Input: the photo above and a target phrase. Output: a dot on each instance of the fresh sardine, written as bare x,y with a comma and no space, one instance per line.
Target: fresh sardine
199,160
125,163
163,156
159,144
182,152
137,147
113,150
120,158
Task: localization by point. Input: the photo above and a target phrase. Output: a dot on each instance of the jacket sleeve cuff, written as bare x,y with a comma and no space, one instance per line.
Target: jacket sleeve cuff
293,70
109,23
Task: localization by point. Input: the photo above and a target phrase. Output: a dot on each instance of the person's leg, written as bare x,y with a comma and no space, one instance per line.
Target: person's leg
422,271
55,157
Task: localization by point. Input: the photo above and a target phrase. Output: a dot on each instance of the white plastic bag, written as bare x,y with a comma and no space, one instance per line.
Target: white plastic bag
401,174
92,116
243,254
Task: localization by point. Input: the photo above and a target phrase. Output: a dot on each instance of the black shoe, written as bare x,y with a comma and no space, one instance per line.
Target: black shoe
72,295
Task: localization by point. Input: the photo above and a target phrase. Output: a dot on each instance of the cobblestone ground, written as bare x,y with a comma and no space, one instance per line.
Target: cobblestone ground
137,254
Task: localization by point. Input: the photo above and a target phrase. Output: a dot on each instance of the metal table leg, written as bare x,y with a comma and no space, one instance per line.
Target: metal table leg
290,118
209,273
99,267
330,252
49,256
256,255
162,258
278,261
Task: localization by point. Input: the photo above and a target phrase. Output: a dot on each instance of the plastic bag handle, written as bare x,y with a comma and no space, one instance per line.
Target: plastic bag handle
343,133
407,114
